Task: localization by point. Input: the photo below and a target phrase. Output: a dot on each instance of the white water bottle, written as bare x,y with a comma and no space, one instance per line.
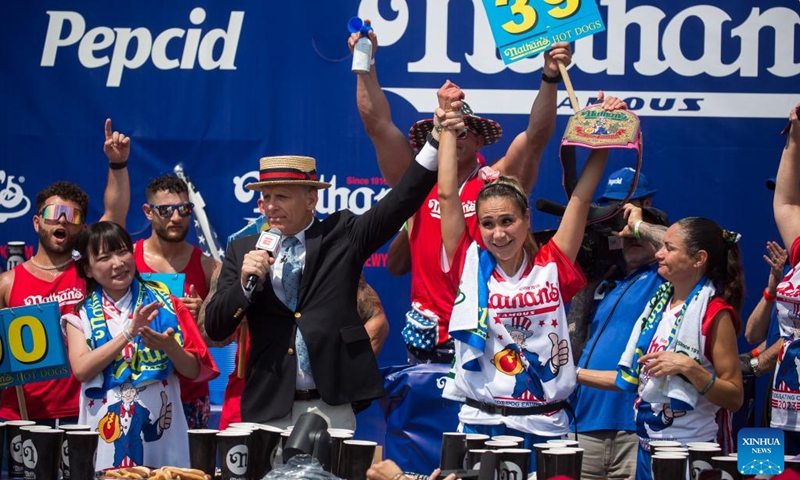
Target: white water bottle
362,56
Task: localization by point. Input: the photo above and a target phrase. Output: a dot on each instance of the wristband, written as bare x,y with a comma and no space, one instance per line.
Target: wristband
754,352
709,384
434,143
768,297
118,166
548,79
127,334
636,232
577,372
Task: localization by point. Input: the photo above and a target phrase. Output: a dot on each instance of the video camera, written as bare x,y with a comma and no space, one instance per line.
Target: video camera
601,248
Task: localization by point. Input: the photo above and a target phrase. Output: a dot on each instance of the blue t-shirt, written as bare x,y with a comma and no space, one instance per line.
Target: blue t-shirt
609,331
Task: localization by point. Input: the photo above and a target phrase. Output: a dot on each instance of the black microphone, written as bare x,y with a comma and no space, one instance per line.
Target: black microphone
266,241
551,207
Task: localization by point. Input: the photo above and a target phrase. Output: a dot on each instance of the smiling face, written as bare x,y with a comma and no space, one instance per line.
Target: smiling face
57,236
173,228
675,262
112,270
289,208
504,229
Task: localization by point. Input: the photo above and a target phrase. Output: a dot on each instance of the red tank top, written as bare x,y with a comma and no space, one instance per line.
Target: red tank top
430,289
51,398
193,270
190,390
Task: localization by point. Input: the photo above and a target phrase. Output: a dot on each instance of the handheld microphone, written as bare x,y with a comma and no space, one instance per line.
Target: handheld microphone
266,241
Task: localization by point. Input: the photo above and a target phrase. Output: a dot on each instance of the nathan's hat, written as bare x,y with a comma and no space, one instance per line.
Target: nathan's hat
287,170
490,130
619,183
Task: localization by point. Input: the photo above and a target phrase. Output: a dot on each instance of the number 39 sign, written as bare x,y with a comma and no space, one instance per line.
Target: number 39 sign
523,28
31,345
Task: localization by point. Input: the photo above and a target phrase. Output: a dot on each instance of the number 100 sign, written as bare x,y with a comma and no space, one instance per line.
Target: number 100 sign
31,344
523,28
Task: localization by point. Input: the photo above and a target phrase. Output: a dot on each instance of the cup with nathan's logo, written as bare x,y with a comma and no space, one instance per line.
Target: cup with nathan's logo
83,453
65,466
14,444
234,454
41,452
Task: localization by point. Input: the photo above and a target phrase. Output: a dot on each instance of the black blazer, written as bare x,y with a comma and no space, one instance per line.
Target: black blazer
344,367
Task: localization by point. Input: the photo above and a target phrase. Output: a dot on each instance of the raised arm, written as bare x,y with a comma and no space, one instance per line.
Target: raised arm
786,202
525,153
391,146
569,235
452,213
117,197
758,321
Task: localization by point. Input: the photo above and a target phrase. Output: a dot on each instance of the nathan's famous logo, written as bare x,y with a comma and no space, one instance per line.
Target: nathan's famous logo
13,202
358,196
129,48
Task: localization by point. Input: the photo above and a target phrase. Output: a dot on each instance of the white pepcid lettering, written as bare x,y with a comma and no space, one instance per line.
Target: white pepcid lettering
130,48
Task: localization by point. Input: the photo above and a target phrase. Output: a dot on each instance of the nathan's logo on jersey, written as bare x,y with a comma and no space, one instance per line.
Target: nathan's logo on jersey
468,206
70,296
13,202
122,48
358,200
788,290
545,296
703,40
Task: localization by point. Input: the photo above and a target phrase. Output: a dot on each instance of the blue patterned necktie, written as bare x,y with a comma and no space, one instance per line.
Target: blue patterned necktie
292,270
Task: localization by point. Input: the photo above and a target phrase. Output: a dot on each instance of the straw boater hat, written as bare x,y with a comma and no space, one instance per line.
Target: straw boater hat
287,170
490,130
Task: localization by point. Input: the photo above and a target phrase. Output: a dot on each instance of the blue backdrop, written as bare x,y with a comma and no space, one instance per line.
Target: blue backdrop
216,85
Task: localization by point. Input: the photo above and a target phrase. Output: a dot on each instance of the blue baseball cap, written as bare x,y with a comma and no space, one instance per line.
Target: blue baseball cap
619,183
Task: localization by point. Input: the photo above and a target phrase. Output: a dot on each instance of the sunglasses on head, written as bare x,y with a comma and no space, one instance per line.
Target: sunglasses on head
72,215
165,211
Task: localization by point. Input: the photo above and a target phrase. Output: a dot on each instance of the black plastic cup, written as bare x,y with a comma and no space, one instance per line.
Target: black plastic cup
476,441
472,460
82,453
515,463
203,449
2,439
509,438
338,436
234,454
538,456
41,453
14,443
655,444
270,438
561,461
356,458
65,470
700,460
454,448
499,444
728,464
28,452
668,466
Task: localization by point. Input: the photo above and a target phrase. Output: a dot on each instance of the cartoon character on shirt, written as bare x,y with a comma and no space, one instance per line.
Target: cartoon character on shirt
526,367
789,367
127,425
599,127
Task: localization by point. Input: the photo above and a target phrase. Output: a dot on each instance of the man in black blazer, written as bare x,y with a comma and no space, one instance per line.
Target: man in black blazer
332,252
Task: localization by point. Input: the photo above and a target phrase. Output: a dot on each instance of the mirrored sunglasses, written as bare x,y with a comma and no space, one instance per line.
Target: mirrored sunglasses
72,215
165,211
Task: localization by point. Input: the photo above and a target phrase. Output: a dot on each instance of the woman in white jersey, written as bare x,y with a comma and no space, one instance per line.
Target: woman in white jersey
128,341
513,366
786,206
682,356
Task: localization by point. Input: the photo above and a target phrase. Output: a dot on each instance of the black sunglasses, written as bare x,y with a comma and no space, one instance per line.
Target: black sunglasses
165,211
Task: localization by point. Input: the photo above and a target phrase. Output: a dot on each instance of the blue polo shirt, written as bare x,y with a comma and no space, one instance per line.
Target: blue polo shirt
609,331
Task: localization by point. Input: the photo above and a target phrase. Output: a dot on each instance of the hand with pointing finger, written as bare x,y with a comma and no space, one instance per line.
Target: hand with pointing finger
117,146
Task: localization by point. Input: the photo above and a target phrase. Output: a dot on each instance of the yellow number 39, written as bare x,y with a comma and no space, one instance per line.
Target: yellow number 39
519,7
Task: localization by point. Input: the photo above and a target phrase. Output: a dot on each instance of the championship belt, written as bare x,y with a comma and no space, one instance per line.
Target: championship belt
597,128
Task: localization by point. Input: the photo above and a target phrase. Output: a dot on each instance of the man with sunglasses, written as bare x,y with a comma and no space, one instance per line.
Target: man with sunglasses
51,275
431,304
167,251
